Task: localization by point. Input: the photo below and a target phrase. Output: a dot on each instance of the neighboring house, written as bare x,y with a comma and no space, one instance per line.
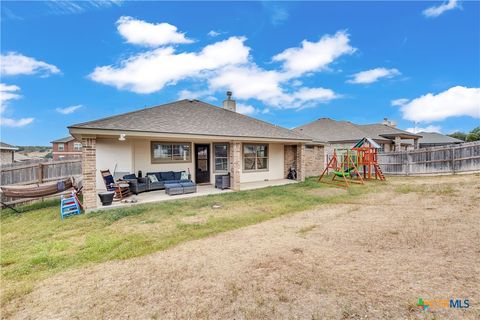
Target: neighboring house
434,139
188,135
66,148
20,157
343,134
7,153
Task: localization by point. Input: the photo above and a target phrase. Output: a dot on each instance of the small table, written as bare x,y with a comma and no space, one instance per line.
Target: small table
122,190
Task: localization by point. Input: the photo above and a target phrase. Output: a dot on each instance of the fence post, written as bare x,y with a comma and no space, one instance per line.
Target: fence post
453,160
407,163
40,173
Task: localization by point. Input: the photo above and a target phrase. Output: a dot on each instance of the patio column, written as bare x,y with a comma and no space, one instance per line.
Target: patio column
398,142
235,165
300,160
415,143
89,171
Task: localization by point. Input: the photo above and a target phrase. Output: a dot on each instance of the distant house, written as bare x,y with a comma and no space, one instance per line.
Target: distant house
434,139
7,153
66,148
343,134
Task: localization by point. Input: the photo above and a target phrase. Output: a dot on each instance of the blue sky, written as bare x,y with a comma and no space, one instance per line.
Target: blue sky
288,63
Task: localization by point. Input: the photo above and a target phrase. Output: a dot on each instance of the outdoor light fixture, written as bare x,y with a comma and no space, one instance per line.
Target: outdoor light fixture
122,137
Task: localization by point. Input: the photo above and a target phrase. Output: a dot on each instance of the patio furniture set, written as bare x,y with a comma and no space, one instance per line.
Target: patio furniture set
172,182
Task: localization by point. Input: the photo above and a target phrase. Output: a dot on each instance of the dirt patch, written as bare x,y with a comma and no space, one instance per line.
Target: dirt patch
328,192
370,259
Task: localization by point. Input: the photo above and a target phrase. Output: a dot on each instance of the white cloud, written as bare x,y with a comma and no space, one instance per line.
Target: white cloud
399,102
434,12
373,75
246,109
7,93
227,65
73,7
150,71
149,34
68,110
315,56
17,64
430,128
213,33
15,123
454,102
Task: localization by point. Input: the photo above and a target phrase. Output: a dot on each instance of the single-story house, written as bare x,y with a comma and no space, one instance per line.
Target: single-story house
188,135
7,152
435,139
343,134
66,148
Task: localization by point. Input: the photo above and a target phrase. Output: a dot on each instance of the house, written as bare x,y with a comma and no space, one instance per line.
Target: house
435,139
7,153
66,148
343,134
188,135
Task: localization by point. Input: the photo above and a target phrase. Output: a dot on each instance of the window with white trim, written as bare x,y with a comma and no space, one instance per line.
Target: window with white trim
77,146
255,157
221,157
61,147
162,152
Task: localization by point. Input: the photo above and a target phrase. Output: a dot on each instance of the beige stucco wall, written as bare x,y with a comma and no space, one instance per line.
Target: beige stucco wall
133,155
142,160
275,166
111,153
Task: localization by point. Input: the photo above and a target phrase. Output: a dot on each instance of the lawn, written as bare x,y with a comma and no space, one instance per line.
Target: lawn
37,244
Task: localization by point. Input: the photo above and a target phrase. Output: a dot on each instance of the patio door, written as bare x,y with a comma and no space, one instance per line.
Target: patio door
202,163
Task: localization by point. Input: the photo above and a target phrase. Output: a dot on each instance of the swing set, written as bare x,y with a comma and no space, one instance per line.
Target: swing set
345,163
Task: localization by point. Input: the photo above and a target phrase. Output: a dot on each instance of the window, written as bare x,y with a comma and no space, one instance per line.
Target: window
255,157
221,157
77,146
170,152
61,147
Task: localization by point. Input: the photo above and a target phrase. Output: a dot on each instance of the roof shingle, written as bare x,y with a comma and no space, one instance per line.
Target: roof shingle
192,117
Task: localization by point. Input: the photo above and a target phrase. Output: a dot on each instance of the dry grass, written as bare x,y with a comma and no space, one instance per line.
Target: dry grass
370,257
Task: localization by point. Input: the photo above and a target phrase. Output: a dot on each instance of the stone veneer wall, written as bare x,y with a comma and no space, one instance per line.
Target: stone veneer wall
235,165
89,171
294,155
289,158
314,160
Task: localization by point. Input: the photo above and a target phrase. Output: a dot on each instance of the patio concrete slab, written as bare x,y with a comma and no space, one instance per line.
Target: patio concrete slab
202,190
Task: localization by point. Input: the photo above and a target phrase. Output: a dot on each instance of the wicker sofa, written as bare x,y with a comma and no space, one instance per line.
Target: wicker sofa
138,185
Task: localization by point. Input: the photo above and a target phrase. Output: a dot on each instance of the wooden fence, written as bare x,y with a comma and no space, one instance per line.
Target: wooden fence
39,172
450,159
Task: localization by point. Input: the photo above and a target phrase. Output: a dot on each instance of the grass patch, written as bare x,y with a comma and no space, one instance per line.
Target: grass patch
38,244
303,231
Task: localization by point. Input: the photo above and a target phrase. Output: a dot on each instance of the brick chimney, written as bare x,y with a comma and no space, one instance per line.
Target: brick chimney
230,104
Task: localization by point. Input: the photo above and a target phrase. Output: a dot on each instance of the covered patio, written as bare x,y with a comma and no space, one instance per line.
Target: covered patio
202,190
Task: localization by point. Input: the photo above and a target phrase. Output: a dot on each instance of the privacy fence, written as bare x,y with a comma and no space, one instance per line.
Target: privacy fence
450,159
39,172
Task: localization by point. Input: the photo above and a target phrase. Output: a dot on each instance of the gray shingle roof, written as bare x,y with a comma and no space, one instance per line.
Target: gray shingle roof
382,130
64,140
434,137
7,146
328,130
192,117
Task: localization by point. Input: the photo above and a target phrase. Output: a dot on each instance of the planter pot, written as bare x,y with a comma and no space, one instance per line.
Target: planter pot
106,197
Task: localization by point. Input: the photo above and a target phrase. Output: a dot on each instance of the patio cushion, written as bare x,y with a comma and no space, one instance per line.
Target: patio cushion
171,181
183,175
177,175
188,184
152,178
131,176
168,175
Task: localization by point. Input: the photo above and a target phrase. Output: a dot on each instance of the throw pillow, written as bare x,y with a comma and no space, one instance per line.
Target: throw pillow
184,176
153,178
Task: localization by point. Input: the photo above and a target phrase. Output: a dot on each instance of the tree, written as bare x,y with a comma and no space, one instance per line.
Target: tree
458,135
473,135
